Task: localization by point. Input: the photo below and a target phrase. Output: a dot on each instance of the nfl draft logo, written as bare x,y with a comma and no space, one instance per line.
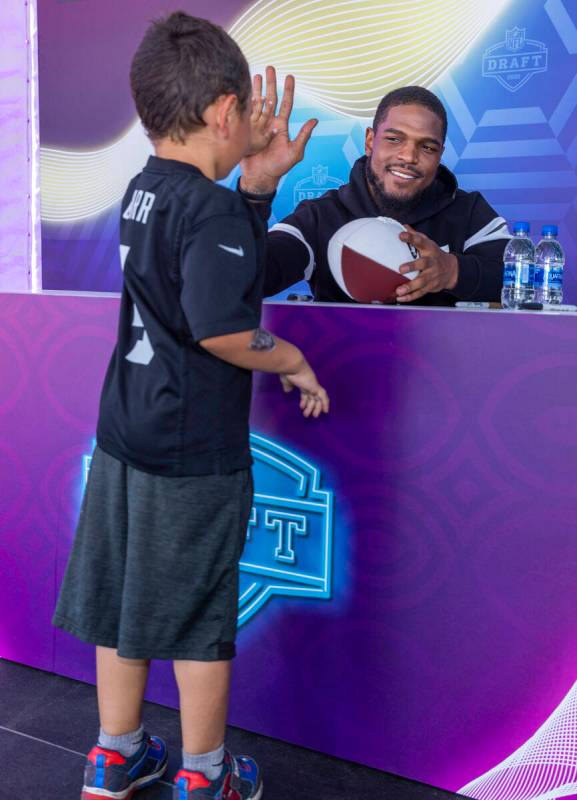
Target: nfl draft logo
289,542
514,61
315,185
288,550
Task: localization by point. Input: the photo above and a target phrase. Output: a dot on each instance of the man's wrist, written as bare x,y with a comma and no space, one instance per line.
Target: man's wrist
453,272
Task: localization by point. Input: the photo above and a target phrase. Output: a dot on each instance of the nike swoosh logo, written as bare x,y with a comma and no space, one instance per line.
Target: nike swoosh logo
236,251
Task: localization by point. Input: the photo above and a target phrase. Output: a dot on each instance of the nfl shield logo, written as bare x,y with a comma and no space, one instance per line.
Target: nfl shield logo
315,185
514,61
320,175
515,38
288,550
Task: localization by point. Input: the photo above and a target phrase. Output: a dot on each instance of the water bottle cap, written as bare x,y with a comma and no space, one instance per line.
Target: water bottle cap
521,227
549,230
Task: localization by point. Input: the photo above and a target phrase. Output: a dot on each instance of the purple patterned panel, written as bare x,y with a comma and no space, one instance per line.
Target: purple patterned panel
14,155
53,352
85,52
448,647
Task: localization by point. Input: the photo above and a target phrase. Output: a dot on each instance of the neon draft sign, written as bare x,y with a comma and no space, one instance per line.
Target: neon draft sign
289,541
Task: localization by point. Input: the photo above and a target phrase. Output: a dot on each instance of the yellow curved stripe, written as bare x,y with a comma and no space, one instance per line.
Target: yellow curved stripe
347,54
79,184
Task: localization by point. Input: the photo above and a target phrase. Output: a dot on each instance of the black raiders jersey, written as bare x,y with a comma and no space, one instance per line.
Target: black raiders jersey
193,259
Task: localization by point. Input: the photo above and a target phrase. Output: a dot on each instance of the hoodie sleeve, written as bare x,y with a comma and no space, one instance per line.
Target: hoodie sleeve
291,249
481,262
291,244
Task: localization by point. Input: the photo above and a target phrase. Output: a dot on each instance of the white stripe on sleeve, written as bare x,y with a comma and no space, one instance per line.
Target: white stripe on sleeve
496,229
282,227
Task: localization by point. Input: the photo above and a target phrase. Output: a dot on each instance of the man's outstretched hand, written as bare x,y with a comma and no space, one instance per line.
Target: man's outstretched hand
273,152
437,270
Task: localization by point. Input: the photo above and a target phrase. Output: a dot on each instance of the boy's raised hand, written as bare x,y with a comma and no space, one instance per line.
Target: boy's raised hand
262,115
273,152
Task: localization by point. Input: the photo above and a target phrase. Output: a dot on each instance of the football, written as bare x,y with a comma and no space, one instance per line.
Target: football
365,255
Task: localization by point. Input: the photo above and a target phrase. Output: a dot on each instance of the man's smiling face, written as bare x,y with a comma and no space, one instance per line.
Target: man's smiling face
404,153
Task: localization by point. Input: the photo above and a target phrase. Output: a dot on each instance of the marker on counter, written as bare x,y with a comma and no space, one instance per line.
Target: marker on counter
562,307
477,305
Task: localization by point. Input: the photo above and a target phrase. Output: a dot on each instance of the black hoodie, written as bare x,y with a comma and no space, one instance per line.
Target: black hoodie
462,223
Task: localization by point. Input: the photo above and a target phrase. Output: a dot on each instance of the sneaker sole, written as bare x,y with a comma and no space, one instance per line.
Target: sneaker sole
258,795
91,793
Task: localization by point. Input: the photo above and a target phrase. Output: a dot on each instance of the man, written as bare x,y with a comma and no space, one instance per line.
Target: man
460,238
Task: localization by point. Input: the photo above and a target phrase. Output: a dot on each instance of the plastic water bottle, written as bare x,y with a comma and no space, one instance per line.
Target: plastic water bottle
549,264
518,268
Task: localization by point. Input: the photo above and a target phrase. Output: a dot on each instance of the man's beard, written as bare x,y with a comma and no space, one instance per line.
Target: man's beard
391,205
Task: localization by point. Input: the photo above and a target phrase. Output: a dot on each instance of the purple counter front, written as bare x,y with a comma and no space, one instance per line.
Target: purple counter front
409,582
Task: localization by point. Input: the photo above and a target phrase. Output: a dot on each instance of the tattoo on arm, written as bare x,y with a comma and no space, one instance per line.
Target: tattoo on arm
262,341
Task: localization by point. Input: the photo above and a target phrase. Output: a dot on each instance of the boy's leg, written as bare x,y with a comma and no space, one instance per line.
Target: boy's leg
125,758
208,770
121,684
204,688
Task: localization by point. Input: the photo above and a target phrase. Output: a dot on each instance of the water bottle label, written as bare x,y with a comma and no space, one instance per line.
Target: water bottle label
539,277
509,272
556,278
527,276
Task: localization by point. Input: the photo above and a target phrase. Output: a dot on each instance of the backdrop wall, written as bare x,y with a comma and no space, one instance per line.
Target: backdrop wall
432,542
506,70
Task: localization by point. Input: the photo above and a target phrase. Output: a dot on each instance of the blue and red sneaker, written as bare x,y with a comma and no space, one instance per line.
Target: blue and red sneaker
111,775
239,780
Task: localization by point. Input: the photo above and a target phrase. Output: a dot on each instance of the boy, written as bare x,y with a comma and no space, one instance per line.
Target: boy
154,568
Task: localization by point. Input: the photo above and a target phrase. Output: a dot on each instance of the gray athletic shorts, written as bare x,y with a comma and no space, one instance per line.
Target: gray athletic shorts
154,567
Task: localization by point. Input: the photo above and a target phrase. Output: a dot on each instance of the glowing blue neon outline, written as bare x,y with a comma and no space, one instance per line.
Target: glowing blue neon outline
325,507
297,527
282,466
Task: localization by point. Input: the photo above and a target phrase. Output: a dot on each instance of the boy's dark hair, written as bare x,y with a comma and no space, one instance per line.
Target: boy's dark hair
182,65
411,95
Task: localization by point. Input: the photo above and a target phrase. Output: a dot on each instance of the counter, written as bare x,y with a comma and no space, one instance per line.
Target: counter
409,580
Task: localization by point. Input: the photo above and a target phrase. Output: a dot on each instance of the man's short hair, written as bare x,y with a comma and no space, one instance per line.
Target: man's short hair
411,95
182,65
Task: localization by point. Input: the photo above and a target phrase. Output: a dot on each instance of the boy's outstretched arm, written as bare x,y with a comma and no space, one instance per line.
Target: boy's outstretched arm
260,350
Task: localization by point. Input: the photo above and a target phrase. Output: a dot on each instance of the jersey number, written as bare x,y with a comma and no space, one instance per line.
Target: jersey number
142,352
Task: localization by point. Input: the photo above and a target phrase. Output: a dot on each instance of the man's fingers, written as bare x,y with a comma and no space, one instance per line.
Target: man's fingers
286,104
418,265
408,298
413,237
418,240
426,282
411,287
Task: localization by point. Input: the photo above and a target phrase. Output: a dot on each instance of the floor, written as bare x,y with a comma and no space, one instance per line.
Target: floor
48,723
